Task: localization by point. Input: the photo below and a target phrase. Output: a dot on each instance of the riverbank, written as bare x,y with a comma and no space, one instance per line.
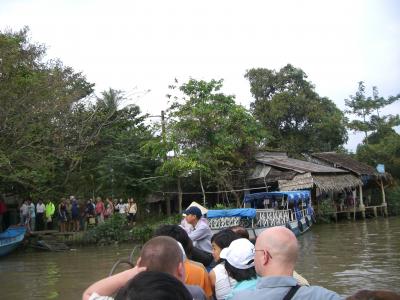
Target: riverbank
114,230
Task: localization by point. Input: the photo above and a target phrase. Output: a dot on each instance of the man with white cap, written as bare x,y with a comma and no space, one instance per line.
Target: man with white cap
276,252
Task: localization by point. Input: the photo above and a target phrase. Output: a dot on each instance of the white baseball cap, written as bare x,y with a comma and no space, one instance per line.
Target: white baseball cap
183,251
239,254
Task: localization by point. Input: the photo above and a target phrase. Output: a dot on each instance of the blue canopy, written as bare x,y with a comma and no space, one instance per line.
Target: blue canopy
292,196
236,212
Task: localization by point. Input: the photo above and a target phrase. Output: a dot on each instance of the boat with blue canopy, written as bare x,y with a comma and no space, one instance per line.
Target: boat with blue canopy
292,209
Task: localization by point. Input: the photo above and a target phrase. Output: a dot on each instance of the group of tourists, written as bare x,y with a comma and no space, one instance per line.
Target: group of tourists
175,264
70,214
36,216
188,261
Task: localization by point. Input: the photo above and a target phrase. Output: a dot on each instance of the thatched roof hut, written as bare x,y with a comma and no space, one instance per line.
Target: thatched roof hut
345,162
295,174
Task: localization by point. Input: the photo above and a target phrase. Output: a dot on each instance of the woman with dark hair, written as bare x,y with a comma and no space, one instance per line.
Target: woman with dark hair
239,264
152,285
220,281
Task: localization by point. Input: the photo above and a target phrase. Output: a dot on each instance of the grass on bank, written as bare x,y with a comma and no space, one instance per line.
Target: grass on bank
116,229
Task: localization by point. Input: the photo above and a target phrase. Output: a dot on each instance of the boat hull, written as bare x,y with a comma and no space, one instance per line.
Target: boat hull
11,239
254,228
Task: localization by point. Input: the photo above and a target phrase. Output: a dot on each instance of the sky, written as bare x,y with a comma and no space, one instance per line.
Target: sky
136,46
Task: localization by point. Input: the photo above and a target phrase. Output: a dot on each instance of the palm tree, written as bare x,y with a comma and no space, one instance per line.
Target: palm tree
111,99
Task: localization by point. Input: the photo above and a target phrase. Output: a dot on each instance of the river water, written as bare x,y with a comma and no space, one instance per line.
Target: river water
343,257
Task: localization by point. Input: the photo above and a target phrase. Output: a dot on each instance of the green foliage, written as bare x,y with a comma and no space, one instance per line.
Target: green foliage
298,119
211,129
143,232
210,134
179,166
36,97
368,109
325,211
113,229
393,199
116,164
116,229
219,206
385,149
54,140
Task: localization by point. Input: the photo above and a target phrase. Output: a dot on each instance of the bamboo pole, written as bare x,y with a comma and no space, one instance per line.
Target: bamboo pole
362,206
354,203
384,204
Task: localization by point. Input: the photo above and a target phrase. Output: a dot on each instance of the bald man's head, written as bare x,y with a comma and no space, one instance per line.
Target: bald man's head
161,254
276,252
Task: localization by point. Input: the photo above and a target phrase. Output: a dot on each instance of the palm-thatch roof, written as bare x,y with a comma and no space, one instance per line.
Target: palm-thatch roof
335,182
294,174
346,162
300,166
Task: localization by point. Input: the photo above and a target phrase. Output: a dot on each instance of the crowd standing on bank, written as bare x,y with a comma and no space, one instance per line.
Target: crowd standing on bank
70,214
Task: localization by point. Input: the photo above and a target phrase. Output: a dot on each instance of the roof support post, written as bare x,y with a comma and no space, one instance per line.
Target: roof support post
362,206
384,204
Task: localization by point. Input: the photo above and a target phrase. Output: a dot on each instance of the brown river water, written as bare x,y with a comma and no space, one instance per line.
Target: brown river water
344,257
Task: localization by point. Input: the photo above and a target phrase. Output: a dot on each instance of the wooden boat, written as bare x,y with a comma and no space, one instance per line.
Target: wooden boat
292,209
10,239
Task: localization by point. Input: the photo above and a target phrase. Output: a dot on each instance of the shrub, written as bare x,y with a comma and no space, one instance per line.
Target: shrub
112,230
393,200
325,211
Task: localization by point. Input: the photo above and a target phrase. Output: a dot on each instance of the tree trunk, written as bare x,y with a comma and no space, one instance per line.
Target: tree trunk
202,190
168,204
179,195
235,195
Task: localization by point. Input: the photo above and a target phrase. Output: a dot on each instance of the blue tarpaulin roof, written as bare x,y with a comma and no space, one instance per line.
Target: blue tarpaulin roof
236,212
292,196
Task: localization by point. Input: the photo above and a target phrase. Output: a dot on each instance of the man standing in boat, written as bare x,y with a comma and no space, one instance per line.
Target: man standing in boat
200,235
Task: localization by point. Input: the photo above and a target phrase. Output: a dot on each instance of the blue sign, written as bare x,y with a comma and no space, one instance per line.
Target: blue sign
380,168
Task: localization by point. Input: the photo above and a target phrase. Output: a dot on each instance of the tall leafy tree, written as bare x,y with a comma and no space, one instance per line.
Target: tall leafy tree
297,118
35,97
211,135
383,148
368,109
115,164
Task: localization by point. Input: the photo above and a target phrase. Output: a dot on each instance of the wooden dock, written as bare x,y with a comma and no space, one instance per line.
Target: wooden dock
52,232
373,210
53,240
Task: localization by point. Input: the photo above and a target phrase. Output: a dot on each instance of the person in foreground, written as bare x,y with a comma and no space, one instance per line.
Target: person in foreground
195,273
374,295
160,254
276,252
154,285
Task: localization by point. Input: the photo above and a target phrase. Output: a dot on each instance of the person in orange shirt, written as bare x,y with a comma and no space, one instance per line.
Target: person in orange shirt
195,273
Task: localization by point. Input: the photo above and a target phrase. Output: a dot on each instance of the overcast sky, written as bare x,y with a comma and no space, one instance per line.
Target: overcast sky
139,45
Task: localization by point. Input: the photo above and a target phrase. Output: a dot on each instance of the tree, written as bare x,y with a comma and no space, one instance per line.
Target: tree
54,140
211,135
115,164
383,148
297,118
35,98
368,109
